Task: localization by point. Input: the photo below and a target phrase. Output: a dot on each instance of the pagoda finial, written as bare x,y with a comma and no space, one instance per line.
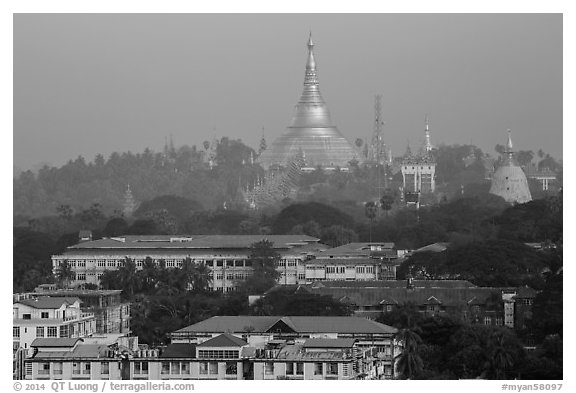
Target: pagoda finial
509,145
311,63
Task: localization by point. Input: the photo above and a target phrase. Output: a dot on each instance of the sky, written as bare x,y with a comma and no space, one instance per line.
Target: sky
85,84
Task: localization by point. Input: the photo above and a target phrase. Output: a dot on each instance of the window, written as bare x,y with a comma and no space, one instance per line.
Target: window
487,321
230,277
104,368
203,367
101,263
175,368
301,276
248,263
140,367
219,276
26,316
40,331
64,331
219,262
43,368
300,368
16,332
499,321
318,369
229,263
213,367
289,368
52,331
185,367
86,368
388,308
44,314
80,276
75,366
218,354
268,368
165,368
332,369
57,368
231,368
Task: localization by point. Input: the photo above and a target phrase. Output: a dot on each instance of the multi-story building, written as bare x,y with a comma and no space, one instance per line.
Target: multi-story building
355,262
374,340
49,317
111,313
225,255
456,298
224,356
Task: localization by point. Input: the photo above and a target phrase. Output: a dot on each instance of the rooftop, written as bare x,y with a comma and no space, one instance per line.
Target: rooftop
194,242
55,342
355,250
224,340
179,351
49,302
297,324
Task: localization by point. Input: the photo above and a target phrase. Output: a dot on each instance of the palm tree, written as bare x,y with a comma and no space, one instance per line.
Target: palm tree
64,274
500,356
149,274
409,363
129,278
202,277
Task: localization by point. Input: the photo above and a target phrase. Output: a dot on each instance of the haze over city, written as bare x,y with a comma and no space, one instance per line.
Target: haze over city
98,83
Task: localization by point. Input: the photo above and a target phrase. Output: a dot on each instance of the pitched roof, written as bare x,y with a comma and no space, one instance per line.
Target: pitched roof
329,343
224,340
179,350
300,324
52,302
55,342
82,351
432,295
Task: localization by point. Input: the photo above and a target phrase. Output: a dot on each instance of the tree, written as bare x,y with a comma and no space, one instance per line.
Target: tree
264,259
409,363
370,209
198,275
64,274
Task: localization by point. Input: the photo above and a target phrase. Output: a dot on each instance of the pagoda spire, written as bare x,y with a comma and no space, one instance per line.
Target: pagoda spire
311,93
428,144
509,149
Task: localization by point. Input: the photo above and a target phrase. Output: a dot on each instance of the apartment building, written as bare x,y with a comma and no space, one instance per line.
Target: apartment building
111,313
49,317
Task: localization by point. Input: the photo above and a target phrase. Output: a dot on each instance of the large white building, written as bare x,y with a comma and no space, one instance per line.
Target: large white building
303,259
225,255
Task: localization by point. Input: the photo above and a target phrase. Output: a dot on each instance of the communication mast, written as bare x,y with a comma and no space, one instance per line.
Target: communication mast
377,147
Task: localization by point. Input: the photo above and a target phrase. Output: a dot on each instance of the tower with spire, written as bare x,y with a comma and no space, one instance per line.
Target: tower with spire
509,181
427,143
418,171
311,130
130,205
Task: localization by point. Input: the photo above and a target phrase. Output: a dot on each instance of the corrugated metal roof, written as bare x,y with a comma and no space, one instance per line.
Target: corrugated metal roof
393,284
354,249
55,342
300,324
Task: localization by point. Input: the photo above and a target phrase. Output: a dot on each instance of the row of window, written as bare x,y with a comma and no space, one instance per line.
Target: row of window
297,368
218,354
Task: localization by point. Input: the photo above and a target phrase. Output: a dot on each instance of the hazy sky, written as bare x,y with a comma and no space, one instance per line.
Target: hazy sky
98,83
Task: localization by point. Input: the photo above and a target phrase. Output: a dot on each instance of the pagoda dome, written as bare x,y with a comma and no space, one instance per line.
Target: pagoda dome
311,133
509,181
